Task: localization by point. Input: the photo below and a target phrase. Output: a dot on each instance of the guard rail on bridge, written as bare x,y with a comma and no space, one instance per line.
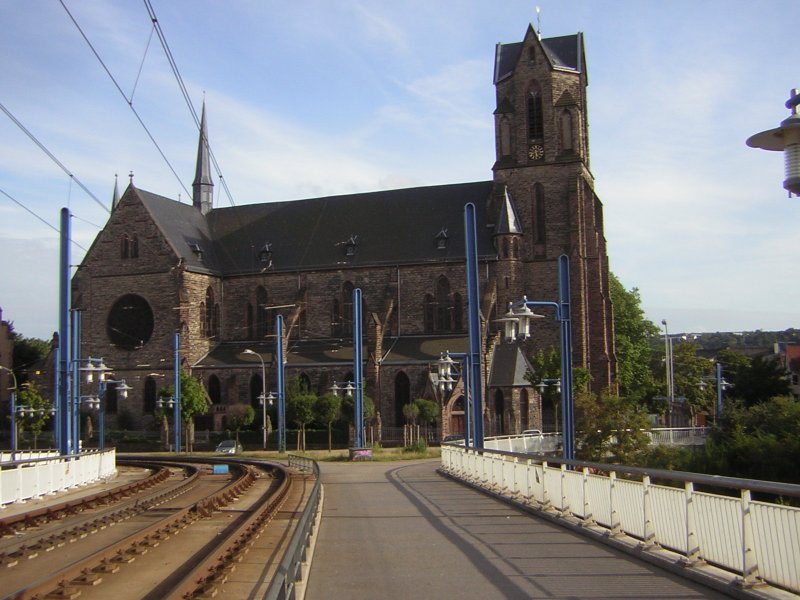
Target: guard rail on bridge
35,475
550,443
756,541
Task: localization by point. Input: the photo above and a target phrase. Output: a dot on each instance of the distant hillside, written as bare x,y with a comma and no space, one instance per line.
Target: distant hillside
713,342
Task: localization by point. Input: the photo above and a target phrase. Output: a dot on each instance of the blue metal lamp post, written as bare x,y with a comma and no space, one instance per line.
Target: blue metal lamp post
281,385
267,399
355,387
262,398
98,403
12,398
517,324
722,385
174,401
474,362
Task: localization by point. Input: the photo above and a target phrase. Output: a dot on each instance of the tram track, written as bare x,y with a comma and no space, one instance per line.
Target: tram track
218,516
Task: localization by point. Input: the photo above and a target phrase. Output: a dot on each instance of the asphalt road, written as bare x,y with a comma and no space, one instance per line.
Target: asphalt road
401,531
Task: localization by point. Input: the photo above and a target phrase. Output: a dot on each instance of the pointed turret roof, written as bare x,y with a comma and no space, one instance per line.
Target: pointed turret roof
203,186
507,221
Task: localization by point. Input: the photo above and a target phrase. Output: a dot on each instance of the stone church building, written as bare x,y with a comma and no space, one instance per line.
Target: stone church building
220,276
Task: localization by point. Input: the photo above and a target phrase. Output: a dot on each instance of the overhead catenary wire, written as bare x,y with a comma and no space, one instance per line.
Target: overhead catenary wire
44,221
185,93
44,149
129,102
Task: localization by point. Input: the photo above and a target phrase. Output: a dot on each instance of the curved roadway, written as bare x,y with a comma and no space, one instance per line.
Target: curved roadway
401,530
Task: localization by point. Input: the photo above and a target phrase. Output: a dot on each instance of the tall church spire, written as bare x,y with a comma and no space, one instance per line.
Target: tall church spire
115,197
203,186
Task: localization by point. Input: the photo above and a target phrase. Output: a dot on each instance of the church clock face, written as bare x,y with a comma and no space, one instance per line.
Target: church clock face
130,322
536,152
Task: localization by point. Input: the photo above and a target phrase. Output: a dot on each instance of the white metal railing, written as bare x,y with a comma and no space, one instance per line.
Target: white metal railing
755,541
547,443
22,455
23,480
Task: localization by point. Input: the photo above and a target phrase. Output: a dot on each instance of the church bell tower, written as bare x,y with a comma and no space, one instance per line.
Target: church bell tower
542,161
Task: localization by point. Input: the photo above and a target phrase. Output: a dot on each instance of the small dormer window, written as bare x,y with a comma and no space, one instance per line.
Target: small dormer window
198,251
265,254
441,239
351,246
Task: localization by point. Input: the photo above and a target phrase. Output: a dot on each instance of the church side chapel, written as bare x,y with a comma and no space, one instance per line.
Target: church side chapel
221,275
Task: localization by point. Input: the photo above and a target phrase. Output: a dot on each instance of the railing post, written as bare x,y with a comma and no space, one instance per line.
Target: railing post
564,499
749,561
588,517
545,492
692,549
615,528
649,534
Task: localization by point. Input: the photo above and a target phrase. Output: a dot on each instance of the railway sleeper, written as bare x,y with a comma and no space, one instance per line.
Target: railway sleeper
88,577
8,561
64,591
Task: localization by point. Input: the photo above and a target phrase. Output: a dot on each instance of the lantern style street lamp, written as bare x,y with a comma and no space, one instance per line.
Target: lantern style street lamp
517,327
786,138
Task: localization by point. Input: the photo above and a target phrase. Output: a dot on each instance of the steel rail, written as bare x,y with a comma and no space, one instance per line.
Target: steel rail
89,571
35,518
50,540
212,572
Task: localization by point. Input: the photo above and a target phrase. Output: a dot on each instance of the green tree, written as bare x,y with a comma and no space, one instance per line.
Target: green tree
299,408
633,334
610,428
758,442
327,409
690,370
428,410
348,408
239,416
411,412
757,380
194,401
546,365
27,352
37,411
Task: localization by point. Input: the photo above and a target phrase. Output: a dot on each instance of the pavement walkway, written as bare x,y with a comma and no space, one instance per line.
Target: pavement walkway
402,531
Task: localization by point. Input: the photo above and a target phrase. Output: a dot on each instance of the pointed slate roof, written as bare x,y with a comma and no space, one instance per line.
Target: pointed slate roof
509,367
393,227
507,222
564,52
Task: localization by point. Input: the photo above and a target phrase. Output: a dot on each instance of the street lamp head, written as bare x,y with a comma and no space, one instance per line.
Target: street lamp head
123,389
786,138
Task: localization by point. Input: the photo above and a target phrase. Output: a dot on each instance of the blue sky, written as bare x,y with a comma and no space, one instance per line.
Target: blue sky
310,97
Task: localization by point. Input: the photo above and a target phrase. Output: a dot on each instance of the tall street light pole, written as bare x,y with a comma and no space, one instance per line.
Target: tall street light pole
475,362
669,369
281,385
517,324
263,397
12,398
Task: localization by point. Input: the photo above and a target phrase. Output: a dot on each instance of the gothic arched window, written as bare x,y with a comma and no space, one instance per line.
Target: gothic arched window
211,314
444,308
535,114
505,137
214,390
538,216
565,130
262,316
149,395
125,246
